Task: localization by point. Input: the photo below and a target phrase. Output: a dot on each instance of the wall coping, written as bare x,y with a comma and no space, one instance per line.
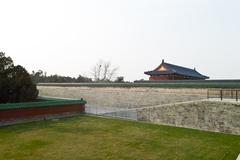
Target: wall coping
49,102
228,84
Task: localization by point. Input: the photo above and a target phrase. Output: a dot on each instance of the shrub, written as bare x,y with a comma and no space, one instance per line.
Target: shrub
15,82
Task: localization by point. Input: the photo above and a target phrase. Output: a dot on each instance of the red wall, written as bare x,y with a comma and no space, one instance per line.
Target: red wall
156,78
12,114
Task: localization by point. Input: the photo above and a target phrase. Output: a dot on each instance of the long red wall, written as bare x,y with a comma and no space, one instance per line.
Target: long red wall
157,78
12,114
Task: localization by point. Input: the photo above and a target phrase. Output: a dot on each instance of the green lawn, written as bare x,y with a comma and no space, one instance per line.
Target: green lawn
89,138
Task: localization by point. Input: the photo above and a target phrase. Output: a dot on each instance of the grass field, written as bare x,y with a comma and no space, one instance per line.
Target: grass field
93,138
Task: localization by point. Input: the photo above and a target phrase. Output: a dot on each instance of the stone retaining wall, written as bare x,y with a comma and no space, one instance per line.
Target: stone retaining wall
156,105
206,115
124,97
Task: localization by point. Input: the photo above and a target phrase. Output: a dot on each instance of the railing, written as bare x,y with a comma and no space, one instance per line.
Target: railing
223,94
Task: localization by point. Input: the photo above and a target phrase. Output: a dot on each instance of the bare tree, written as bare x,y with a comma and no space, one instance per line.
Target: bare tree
103,71
97,71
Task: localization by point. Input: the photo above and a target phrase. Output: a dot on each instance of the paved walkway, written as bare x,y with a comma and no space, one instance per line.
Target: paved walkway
238,157
224,100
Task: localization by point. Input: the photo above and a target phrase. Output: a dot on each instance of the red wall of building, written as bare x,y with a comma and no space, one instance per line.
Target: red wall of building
174,77
156,78
12,114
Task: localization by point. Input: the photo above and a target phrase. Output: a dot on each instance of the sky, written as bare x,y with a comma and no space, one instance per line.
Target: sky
68,37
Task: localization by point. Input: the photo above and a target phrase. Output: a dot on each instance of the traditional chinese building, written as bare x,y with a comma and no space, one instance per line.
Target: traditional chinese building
167,71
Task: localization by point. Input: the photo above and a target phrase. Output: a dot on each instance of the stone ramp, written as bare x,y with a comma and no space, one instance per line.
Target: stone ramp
112,112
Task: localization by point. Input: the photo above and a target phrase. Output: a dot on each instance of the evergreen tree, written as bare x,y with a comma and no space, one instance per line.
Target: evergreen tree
15,82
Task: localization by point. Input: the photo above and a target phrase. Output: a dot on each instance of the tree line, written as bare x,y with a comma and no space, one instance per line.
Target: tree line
17,85
41,77
101,72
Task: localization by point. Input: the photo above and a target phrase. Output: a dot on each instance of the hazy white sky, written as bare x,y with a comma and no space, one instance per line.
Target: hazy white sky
68,37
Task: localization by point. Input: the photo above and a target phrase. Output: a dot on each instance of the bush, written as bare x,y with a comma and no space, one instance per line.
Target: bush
15,82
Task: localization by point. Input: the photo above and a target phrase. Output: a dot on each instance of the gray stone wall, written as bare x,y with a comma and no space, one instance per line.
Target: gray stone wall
210,116
124,97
